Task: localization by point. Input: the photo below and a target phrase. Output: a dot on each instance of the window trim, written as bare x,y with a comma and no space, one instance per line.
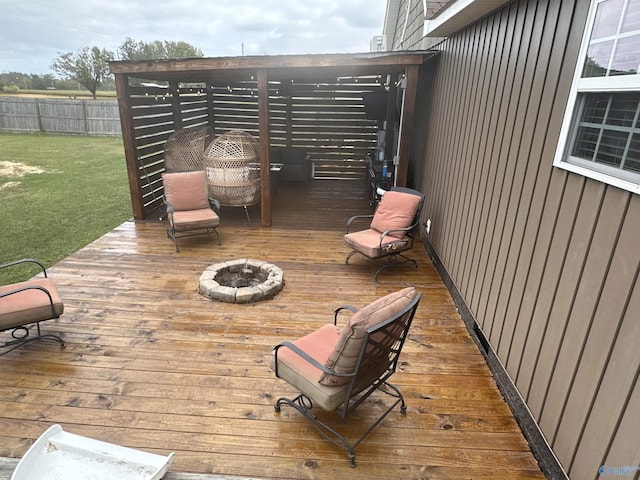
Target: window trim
569,123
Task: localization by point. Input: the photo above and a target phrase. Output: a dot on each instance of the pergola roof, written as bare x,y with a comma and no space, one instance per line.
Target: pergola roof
279,67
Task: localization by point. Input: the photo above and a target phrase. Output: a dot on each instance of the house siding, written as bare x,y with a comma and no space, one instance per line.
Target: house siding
546,261
409,37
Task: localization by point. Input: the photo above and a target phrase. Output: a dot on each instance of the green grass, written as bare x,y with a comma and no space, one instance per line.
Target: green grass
82,193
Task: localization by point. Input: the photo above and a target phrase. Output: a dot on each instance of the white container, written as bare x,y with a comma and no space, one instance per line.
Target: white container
62,455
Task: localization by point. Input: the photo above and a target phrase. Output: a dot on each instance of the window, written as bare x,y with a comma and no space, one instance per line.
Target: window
600,136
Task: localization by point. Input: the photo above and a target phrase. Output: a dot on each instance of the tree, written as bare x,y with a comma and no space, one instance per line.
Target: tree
89,67
156,50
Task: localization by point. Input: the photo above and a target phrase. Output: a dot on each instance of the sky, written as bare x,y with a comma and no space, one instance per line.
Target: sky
34,33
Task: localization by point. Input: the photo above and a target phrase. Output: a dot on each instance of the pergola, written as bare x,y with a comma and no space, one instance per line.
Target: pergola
157,97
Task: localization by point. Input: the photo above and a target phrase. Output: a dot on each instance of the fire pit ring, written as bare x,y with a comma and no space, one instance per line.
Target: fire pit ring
241,281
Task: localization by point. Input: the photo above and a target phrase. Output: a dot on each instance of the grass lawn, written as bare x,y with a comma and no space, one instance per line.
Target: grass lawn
58,193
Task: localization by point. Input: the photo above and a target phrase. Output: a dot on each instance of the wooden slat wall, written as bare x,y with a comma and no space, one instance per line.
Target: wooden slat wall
547,261
153,120
327,119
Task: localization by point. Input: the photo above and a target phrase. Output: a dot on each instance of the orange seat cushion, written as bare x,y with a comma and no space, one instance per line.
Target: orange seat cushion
304,376
367,242
194,219
28,306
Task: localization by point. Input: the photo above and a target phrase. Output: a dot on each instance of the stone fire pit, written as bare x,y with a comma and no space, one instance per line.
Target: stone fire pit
241,281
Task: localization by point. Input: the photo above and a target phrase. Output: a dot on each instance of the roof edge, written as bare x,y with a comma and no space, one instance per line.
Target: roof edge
459,14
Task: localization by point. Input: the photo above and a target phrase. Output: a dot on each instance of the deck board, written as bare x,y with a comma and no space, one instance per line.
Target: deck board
151,364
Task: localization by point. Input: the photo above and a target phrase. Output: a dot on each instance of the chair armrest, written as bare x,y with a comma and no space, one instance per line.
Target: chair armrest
298,351
215,205
27,287
388,233
407,231
32,287
339,309
25,260
357,217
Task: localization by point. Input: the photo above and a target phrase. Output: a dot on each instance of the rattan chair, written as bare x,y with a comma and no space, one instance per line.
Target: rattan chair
184,150
233,173
338,369
391,230
24,305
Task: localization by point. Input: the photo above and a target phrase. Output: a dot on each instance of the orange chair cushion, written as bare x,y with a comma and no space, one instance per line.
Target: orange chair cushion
344,356
302,375
367,242
194,219
30,305
186,190
396,210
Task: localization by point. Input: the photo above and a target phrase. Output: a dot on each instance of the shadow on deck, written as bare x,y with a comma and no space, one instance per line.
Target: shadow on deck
151,364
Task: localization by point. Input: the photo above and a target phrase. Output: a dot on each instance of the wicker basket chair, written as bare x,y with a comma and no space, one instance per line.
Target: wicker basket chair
184,150
233,170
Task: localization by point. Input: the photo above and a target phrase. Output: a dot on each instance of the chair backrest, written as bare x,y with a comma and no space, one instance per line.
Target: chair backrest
379,354
186,190
399,209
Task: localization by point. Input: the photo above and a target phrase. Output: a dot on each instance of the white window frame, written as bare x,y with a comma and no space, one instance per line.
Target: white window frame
610,84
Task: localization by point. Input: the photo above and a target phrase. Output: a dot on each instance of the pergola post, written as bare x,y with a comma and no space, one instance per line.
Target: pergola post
392,117
175,105
405,137
265,162
128,139
287,89
210,106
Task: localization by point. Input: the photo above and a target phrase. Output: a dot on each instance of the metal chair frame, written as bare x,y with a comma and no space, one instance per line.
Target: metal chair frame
377,362
21,334
391,254
174,234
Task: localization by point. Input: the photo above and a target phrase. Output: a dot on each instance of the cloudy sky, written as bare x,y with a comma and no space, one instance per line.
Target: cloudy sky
33,33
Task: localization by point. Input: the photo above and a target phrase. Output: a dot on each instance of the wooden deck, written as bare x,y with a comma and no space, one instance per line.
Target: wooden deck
151,364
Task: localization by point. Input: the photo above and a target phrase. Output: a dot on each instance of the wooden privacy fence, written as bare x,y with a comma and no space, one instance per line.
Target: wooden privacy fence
53,115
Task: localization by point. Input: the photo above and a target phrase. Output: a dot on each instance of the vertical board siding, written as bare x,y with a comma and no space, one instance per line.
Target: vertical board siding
547,261
495,245
624,448
48,115
409,36
606,368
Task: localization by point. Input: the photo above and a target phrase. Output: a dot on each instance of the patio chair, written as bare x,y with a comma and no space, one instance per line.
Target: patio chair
189,209
391,231
338,369
25,303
